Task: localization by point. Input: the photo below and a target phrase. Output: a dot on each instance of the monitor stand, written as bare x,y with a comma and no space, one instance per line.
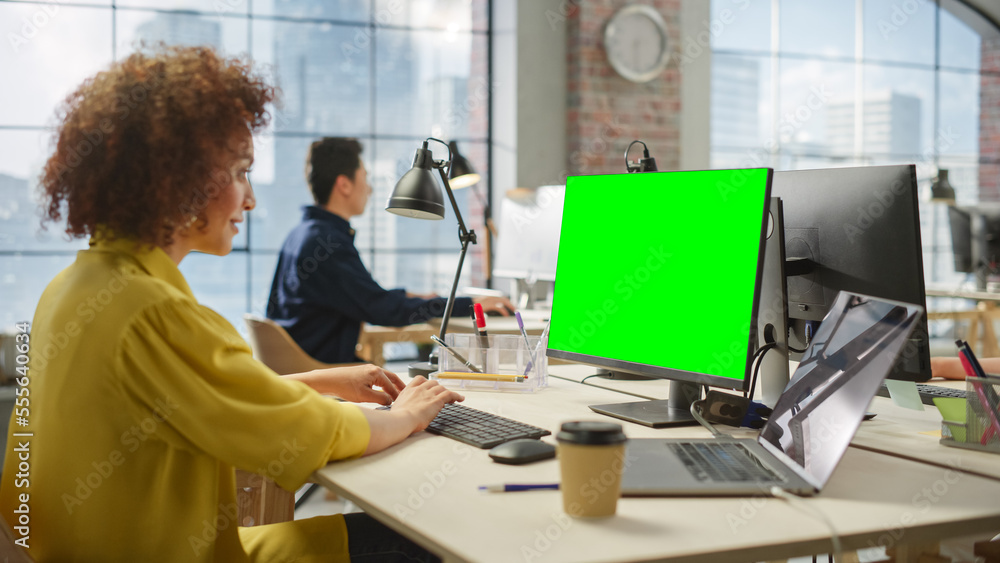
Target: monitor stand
623,376
675,411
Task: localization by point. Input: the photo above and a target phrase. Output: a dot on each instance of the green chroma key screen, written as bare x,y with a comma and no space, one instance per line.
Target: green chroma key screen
658,272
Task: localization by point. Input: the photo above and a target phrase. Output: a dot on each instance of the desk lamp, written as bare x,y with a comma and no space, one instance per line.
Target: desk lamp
417,195
941,189
645,164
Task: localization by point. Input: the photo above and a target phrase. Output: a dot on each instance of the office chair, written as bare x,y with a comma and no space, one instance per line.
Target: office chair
261,500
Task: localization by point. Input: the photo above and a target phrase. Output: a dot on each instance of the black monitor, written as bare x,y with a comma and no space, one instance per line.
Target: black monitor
855,230
659,275
975,240
960,222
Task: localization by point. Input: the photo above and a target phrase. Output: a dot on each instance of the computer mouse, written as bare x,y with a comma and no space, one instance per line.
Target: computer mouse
525,450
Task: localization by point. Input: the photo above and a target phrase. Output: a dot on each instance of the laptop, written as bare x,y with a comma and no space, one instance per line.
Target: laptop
813,421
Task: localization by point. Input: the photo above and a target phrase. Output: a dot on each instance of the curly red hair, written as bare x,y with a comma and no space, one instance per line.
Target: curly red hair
142,145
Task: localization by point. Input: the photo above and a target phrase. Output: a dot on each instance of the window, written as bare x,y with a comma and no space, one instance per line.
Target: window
389,72
906,82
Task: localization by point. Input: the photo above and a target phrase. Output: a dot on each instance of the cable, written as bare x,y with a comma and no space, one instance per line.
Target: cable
758,357
695,407
801,506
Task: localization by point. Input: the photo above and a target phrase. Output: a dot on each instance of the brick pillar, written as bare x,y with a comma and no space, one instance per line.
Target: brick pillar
989,122
606,112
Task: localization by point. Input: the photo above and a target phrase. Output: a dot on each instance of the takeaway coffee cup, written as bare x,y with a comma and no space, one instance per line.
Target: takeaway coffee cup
591,462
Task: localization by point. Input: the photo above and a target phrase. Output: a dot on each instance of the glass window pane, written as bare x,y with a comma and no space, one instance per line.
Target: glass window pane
422,272
899,31
425,84
226,35
55,4
898,111
451,15
22,156
960,115
740,25
22,280
339,10
280,194
802,34
219,282
49,58
323,73
215,7
960,44
815,115
741,101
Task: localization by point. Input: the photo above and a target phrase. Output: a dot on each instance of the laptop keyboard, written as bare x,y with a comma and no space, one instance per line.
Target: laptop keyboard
479,428
929,392
722,462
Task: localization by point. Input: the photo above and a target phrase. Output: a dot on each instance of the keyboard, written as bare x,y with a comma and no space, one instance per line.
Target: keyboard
722,462
479,428
929,392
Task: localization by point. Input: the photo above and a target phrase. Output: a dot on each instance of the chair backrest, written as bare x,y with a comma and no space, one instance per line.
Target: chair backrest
10,552
275,348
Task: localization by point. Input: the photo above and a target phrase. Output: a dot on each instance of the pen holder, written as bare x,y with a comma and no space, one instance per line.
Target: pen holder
507,356
981,428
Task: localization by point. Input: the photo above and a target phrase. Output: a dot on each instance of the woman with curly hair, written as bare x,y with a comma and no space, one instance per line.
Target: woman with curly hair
143,401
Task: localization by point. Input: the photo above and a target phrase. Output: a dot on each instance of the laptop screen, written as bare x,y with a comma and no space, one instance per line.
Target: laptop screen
819,411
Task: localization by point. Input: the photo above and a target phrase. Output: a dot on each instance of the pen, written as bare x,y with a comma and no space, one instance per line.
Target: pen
479,376
510,488
538,347
527,345
457,356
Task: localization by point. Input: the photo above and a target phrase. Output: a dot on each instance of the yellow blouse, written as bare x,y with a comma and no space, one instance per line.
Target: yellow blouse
141,403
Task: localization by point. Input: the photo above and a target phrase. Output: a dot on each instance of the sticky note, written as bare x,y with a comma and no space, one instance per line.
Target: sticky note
953,410
904,394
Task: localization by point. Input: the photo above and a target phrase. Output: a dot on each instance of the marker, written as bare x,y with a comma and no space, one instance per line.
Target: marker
457,356
484,338
512,377
511,488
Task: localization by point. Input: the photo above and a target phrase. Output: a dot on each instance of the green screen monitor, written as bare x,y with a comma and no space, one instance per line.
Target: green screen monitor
658,274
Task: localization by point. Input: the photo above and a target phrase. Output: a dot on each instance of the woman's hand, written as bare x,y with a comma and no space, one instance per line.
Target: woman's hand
422,400
415,408
354,383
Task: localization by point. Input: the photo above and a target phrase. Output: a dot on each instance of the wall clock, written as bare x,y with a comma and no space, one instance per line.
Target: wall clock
636,42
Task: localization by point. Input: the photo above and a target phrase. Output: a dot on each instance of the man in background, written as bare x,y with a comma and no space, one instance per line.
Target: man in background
322,292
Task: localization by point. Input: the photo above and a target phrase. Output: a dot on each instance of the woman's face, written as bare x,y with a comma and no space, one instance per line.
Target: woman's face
225,209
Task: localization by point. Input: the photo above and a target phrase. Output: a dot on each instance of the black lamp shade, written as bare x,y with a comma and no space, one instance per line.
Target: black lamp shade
462,174
941,189
417,193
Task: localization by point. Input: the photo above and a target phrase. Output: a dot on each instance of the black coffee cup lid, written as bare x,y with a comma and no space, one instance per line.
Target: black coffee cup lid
591,433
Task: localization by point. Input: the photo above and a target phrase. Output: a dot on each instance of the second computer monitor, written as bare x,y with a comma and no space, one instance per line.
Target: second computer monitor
857,230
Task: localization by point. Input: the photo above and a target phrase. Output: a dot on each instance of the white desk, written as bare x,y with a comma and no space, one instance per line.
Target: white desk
426,488
895,431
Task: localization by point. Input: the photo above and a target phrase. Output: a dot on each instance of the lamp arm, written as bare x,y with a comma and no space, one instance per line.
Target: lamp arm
454,287
463,232
464,235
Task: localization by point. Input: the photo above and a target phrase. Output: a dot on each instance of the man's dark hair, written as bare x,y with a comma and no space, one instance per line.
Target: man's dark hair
330,157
